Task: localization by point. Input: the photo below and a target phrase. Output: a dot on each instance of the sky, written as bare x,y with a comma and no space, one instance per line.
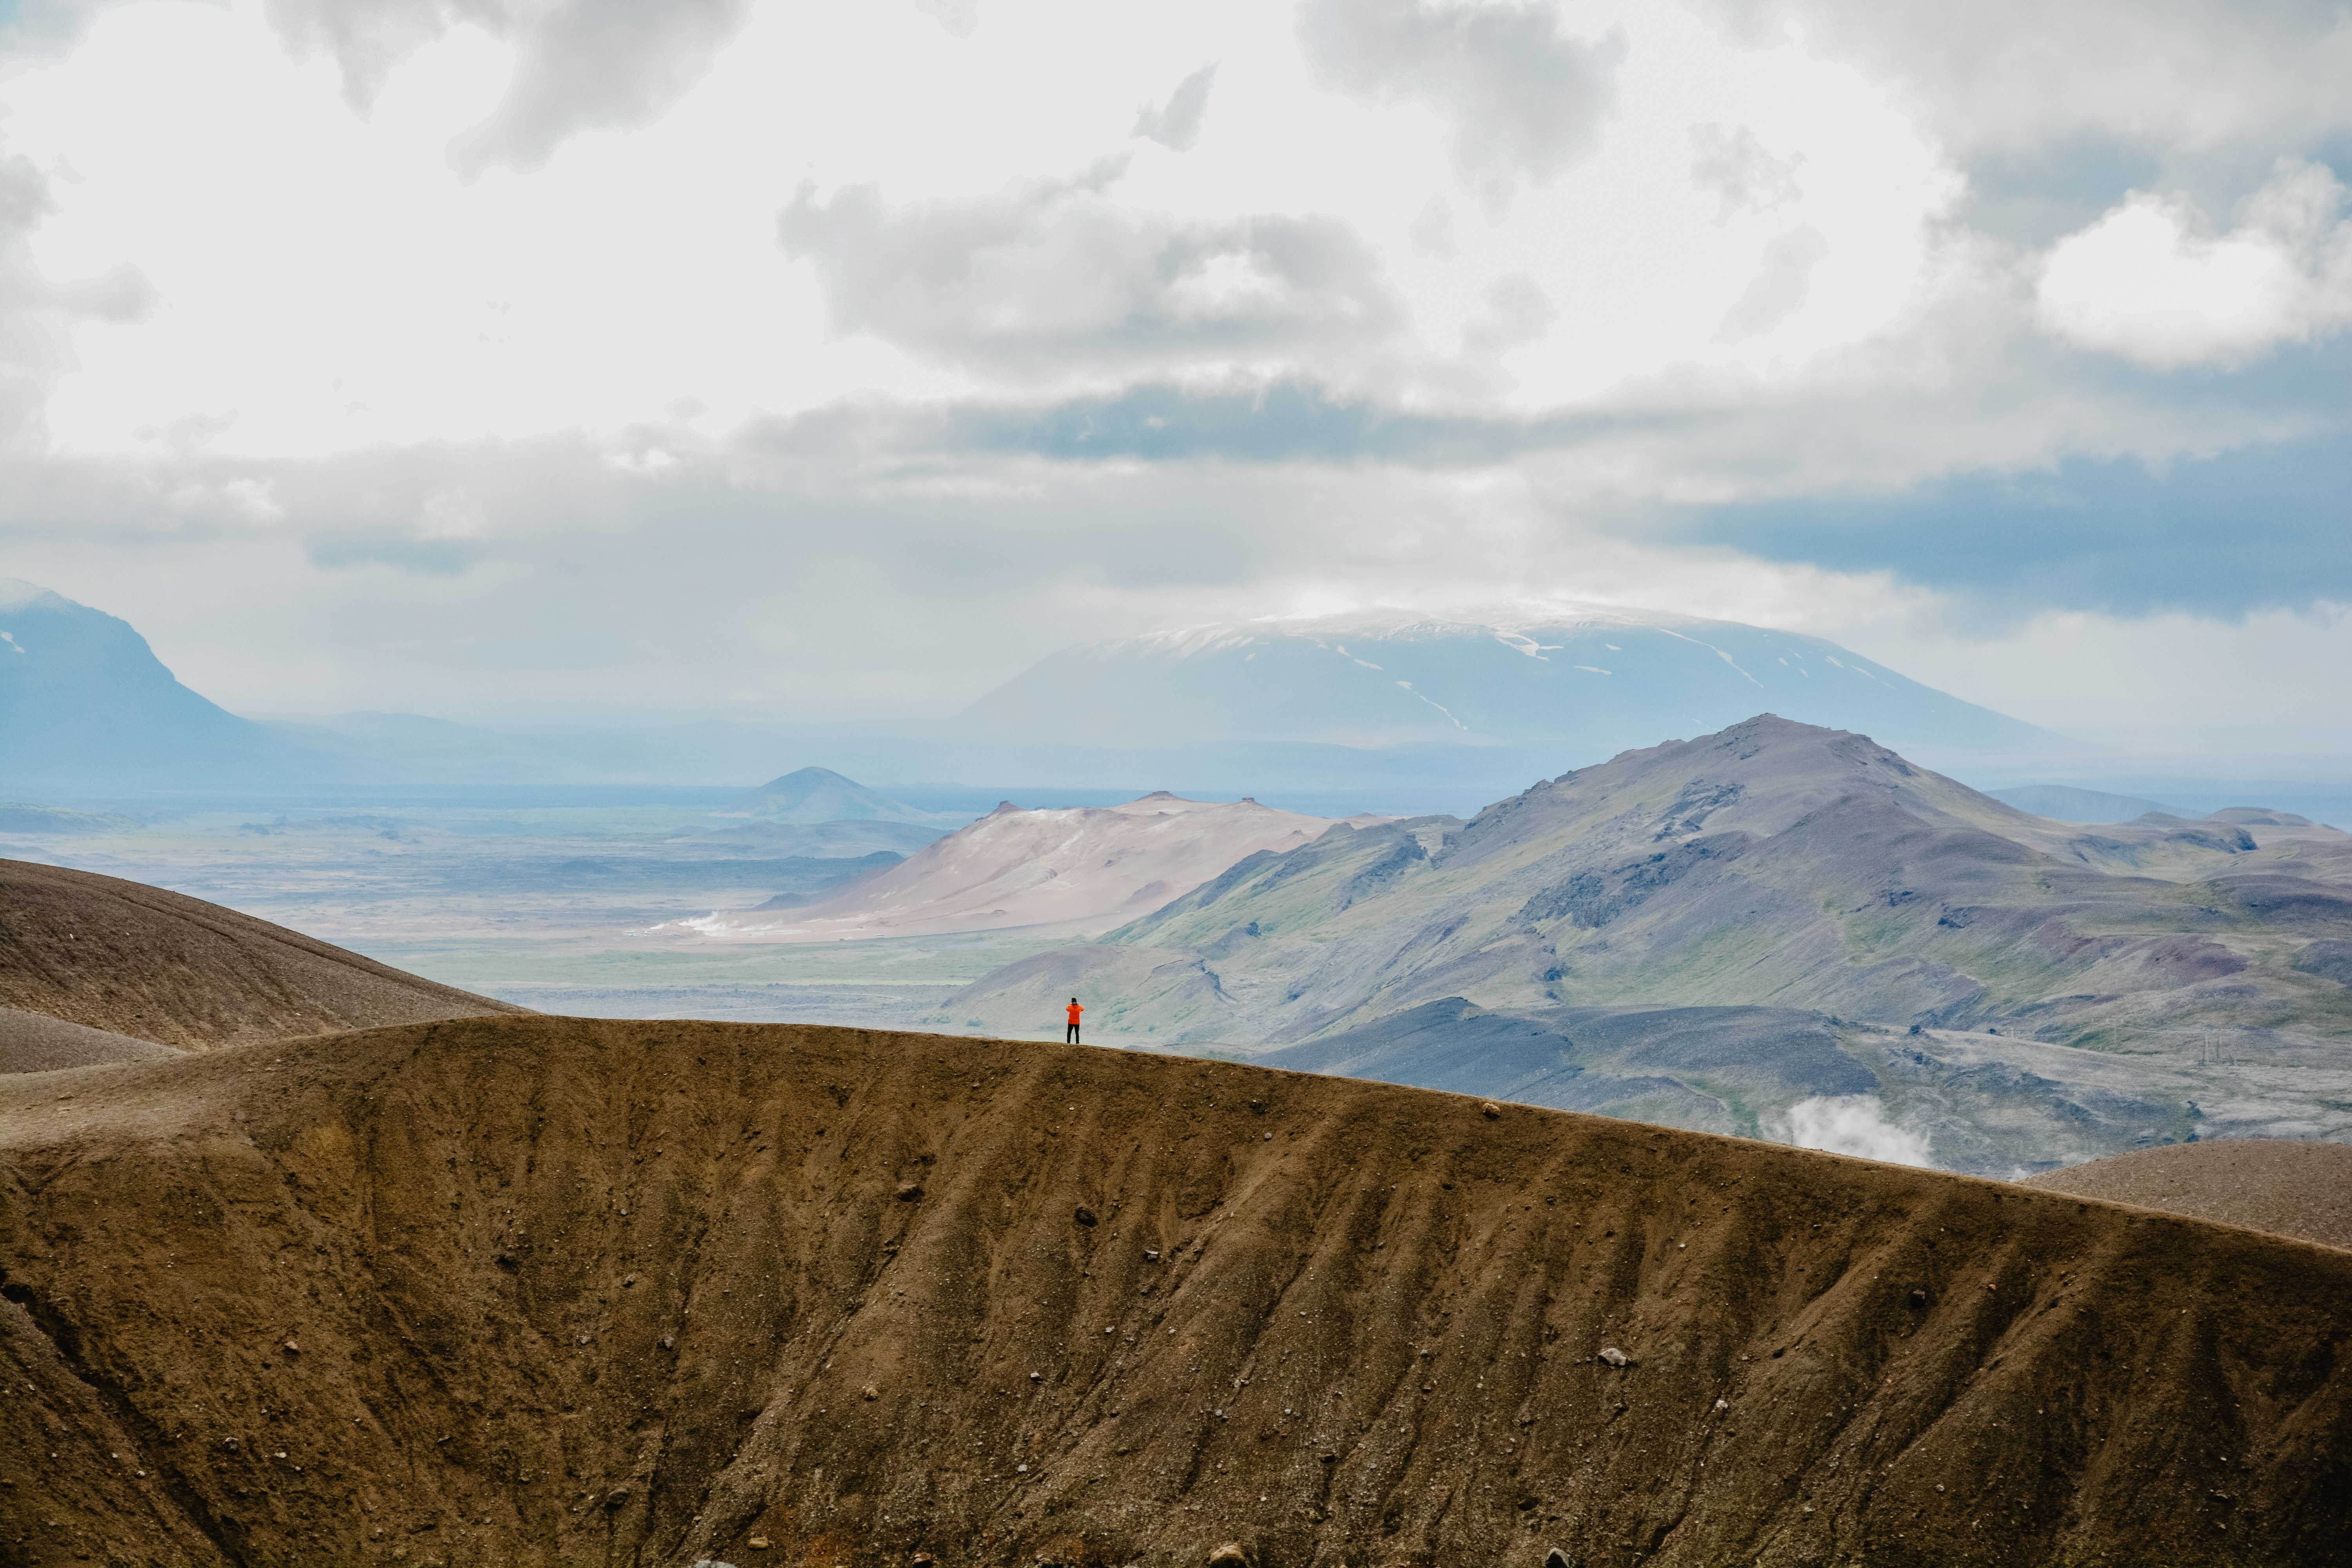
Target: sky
551,360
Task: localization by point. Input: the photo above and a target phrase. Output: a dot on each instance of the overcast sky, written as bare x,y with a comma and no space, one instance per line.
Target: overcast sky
515,359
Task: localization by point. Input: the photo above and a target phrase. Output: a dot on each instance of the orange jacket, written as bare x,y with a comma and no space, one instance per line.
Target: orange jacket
1073,1010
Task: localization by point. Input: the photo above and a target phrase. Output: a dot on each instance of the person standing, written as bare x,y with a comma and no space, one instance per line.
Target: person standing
1070,1035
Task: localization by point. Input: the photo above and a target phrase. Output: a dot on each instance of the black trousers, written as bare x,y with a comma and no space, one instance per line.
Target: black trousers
1070,1038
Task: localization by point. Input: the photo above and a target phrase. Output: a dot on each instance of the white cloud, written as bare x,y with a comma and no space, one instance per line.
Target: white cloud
1854,1124
1051,274
406,303
2149,281
1176,126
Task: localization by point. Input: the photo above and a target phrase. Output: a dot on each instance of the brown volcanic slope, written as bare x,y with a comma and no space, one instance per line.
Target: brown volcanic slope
2302,1190
542,1290
137,961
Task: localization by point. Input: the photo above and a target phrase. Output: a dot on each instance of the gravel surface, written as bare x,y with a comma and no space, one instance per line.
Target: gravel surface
2302,1190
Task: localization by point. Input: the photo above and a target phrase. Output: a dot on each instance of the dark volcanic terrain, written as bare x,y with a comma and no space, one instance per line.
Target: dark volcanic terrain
525,1289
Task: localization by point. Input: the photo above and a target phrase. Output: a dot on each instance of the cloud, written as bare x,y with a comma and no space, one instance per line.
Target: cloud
590,64
1730,161
1779,290
2010,74
1176,126
37,312
1523,101
578,64
2150,281
958,17
2244,530
1854,1124
1049,276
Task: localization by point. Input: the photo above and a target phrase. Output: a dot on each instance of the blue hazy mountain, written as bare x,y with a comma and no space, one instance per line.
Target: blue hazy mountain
84,702
1587,681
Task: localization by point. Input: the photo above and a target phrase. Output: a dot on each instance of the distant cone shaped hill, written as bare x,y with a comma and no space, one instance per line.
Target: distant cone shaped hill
1585,680
811,796
511,1288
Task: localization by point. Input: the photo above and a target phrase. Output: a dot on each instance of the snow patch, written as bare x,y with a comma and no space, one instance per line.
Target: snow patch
1594,667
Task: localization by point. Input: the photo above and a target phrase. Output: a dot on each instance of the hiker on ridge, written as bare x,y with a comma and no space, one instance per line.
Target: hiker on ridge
1070,1035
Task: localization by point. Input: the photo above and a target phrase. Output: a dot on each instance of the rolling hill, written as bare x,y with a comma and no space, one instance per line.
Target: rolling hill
131,959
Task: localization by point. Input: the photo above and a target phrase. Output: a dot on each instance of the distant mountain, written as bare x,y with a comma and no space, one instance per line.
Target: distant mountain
1079,869
1774,864
820,795
84,702
1586,681
2065,803
1778,931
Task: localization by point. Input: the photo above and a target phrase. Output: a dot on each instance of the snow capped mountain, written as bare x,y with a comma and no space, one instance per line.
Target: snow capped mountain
1596,678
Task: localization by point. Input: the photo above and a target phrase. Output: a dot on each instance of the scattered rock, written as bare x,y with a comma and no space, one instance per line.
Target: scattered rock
1150,1254
630,1283
869,1391
909,1192
1723,1404
1556,1558
1037,1377
758,1544
1616,1357
1490,1110
291,1348
1085,1215
1232,1554
1918,1298
921,1558
616,1497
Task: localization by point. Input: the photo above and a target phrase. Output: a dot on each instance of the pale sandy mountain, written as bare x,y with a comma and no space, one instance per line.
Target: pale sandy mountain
1079,871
